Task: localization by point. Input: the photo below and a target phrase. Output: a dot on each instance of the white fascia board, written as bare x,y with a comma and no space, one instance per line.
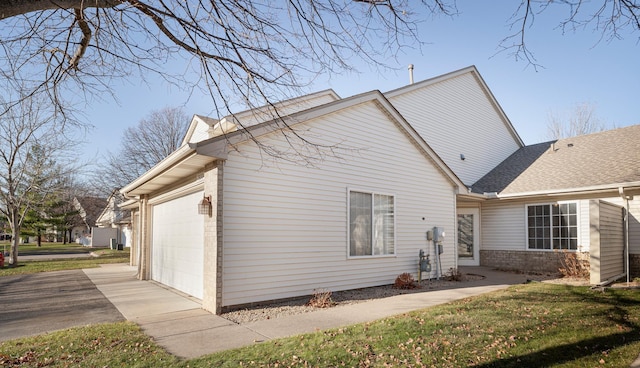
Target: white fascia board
169,161
129,204
194,124
282,104
608,189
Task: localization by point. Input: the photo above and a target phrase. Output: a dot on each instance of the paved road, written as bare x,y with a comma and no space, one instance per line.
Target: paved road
49,301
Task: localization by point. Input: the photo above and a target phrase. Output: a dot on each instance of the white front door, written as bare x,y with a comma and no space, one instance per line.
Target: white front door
468,237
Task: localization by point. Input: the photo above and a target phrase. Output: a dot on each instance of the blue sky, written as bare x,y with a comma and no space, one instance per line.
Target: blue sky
575,68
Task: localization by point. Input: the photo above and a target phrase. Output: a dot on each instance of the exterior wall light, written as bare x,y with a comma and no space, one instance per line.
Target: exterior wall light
204,207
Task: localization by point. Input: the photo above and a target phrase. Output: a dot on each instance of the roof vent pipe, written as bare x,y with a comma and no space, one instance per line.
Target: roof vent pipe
410,73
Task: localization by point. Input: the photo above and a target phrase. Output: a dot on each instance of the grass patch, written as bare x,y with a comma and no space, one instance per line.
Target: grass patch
106,345
533,325
30,266
48,248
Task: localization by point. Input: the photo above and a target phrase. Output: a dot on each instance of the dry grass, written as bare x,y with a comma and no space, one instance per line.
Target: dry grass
321,299
574,264
405,281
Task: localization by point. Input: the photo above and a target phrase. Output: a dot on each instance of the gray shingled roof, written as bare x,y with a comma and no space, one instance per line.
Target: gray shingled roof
610,157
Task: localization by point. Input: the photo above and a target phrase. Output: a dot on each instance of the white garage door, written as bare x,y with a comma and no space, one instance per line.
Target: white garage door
178,244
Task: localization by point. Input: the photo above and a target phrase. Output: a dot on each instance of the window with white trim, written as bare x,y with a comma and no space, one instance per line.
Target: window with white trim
371,224
553,226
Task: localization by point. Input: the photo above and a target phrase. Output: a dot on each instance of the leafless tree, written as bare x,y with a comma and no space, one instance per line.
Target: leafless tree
32,148
242,53
142,146
581,120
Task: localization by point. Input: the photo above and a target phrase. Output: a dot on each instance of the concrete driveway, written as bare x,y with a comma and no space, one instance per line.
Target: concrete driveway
49,301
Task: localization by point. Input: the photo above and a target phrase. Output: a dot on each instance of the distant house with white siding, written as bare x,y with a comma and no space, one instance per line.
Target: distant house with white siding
338,193
114,222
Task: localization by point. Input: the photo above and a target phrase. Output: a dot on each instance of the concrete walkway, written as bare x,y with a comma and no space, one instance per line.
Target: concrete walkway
178,323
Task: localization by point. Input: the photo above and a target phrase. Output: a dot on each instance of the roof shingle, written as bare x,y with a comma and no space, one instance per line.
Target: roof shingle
609,157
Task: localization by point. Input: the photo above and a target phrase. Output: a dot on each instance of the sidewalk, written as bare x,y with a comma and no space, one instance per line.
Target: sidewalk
177,322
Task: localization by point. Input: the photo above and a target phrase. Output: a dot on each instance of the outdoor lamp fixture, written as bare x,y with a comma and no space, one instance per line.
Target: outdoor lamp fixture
204,207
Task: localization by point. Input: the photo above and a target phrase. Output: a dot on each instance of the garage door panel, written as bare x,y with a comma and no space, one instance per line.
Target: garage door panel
178,243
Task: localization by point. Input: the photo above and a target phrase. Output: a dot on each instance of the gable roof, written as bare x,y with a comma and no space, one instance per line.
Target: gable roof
203,127
112,212
485,88
198,128
601,161
218,146
89,208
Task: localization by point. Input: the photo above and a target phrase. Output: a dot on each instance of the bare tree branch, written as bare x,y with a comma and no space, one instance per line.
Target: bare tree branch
608,17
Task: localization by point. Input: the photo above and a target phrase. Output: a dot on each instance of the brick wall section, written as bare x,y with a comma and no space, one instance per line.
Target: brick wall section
526,261
634,264
212,288
536,261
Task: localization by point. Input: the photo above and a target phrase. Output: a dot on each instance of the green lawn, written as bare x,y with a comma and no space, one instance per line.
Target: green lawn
533,325
47,248
33,266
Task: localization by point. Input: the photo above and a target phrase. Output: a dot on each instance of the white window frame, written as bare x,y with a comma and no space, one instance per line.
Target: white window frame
552,249
373,194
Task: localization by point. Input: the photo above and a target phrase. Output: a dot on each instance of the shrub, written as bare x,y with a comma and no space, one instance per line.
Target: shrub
405,281
321,299
573,264
453,275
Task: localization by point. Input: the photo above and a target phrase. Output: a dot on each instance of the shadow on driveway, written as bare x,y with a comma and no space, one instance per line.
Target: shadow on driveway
44,302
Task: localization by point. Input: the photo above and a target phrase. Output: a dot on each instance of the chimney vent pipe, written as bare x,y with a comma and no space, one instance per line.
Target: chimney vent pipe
410,73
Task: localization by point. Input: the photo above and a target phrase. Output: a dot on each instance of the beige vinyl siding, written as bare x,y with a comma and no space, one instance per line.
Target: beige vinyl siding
607,236
504,224
612,240
584,241
200,132
285,224
634,221
455,116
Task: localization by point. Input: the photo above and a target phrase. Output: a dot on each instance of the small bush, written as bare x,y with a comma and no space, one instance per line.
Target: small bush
405,281
321,299
453,275
573,264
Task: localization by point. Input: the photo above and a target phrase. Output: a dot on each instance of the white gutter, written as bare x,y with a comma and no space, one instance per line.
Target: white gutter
584,190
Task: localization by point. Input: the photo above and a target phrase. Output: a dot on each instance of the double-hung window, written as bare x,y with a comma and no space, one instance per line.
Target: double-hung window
553,226
371,224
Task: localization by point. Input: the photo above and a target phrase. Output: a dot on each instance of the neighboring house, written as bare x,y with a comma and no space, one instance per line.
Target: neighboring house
348,207
89,208
113,222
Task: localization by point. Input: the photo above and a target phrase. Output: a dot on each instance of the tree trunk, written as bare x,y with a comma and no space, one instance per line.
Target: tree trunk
15,238
39,238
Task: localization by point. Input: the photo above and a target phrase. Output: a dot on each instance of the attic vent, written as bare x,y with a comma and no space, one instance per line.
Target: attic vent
570,145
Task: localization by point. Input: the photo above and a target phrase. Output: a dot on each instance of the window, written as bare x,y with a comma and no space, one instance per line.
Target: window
371,224
553,226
